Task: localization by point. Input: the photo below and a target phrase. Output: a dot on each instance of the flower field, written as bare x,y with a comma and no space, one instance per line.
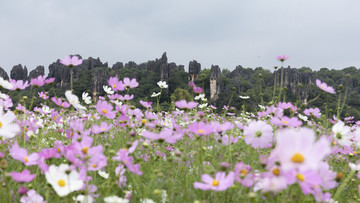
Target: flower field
104,149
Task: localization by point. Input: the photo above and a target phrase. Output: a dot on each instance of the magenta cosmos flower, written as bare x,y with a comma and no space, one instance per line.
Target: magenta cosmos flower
71,61
282,58
23,177
219,183
19,84
185,105
259,134
325,87
167,135
105,109
115,84
21,154
200,128
130,83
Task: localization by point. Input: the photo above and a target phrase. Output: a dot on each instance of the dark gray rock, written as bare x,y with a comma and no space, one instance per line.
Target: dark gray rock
194,70
19,73
40,70
3,74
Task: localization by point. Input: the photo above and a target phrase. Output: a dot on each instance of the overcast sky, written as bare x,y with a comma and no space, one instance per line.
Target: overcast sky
251,33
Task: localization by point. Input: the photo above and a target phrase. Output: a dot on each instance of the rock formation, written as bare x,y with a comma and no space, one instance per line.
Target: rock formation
194,70
40,70
215,77
19,73
3,74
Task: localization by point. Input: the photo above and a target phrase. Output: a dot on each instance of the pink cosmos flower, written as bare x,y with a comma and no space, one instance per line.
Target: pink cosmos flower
185,105
313,112
167,135
259,134
145,104
105,109
21,154
43,95
243,175
130,83
19,84
60,102
325,87
197,90
200,128
286,121
32,196
221,182
104,127
115,84
23,177
126,97
71,61
297,149
282,58
39,81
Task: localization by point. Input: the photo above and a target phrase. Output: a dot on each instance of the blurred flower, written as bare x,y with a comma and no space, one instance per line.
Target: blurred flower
162,84
282,58
8,127
83,199
5,84
244,97
103,174
130,84
115,84
183,104
155,94
63,180
86,98
259,134
325,87
31,196
219,183
115,199
19,84
74,100
108,89
24,177
71,61
342,133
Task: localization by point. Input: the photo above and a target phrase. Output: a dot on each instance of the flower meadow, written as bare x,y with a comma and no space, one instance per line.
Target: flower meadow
104,149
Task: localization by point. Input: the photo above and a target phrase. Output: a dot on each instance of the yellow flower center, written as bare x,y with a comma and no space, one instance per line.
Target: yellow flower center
300,177
0,124
297,158
201,131
355,152
102,129
54,118
94,165
114,86
322,86
58,150
276,171
85,150
104,111
284,122
26,159
215,183
61,183
143,121
243,172
26,129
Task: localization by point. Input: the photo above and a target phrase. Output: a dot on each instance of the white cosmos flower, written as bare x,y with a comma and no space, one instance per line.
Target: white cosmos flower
203,105
115,199
302,117
83,199
342,133
8,128
74,100
103,174
155,94
46,109
108,89
200,96
5,84
162,84
86,98
62,181
244,97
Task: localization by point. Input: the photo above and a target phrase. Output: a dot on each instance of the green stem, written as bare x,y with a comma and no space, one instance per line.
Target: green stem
71,79
281,80
274,91
261,94
338,106
345,96
343,184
